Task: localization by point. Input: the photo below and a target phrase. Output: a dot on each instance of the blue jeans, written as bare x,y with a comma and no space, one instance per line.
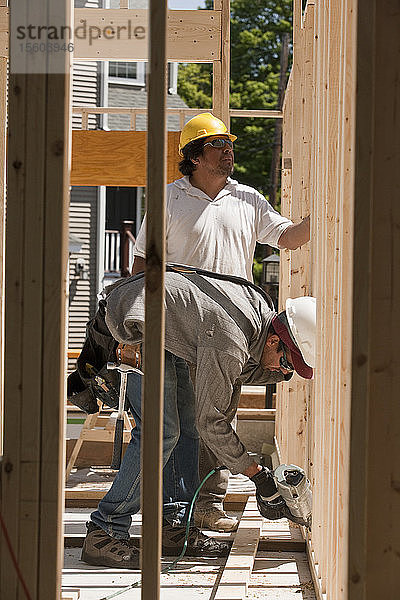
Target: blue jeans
180,455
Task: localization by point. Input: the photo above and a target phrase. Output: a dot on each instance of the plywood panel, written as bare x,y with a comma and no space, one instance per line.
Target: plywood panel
318,137
192,35
116,158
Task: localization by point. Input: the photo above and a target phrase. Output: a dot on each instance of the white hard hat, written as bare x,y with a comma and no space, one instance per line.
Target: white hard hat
301,314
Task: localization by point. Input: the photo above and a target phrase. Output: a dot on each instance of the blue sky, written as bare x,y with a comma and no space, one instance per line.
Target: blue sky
185,4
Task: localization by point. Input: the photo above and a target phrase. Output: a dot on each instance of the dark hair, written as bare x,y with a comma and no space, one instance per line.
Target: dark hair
190,151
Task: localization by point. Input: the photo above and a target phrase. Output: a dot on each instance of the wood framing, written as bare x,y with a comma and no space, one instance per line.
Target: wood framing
341,142
221,64
374,540
4,29
318,149
35,299
192,35
116,158
154,329
3,122
235,578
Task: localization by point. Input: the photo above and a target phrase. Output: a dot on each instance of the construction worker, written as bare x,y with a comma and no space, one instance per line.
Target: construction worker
213,222
227,328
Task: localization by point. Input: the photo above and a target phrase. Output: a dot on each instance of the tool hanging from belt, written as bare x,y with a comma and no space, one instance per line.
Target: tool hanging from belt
129,360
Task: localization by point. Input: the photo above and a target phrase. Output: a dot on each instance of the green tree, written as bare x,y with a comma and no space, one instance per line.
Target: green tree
256,31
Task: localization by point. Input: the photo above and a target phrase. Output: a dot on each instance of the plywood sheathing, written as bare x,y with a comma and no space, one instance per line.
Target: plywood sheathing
341,142
117,158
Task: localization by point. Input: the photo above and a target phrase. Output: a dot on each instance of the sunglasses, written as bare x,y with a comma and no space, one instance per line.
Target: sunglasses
219,143
283,361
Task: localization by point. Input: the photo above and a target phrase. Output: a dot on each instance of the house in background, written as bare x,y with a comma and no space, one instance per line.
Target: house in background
97,213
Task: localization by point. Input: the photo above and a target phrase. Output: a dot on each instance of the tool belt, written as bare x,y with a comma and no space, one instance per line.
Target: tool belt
130,355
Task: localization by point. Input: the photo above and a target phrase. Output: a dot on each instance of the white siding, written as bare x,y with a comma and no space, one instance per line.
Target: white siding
85,91
82,292
85,79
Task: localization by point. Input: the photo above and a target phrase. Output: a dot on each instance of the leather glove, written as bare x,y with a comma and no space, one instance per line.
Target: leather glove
270,504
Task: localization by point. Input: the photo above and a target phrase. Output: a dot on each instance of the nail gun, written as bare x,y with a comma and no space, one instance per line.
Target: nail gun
294,487
284,492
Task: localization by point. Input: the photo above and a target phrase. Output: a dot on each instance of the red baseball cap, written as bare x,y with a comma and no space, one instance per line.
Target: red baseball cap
279,323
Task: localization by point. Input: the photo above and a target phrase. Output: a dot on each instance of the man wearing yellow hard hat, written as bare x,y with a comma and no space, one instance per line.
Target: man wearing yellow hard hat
212,222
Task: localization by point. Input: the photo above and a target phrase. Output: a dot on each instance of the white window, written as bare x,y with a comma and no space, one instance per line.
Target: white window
131,73
134,73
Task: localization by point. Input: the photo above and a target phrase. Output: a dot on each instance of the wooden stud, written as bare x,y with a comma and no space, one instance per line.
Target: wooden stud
374,550
4,29
36,273
320,143
216,87
225,61
85,119
133,120
154,331
3,121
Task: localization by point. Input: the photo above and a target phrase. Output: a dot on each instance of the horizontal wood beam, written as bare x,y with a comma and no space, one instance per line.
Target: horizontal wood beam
101,110
256,414
265,114
116,158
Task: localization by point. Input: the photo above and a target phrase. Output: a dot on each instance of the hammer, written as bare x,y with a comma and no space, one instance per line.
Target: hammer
119,425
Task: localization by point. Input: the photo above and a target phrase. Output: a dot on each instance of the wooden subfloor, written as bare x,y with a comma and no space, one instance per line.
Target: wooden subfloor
276,575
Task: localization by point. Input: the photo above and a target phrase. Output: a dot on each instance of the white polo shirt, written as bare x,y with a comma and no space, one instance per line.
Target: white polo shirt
219,235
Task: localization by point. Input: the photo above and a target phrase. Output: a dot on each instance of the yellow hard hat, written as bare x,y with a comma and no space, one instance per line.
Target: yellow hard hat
202,126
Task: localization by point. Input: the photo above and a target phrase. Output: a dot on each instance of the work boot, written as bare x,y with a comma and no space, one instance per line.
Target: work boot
215,519
198,544
100,549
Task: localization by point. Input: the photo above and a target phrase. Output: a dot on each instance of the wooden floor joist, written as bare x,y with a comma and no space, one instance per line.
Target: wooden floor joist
236,576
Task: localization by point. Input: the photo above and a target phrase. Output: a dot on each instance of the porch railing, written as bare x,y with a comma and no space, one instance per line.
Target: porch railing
118,250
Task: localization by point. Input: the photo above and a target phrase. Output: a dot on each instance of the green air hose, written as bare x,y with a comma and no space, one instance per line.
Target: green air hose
175,562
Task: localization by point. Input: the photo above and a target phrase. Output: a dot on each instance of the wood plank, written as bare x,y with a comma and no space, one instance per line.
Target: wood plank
3,157
36,260
78,497
374,541
4,31
192,35
103,435
265,114
154,328
225,41
235,578
117,158
318,138
256,414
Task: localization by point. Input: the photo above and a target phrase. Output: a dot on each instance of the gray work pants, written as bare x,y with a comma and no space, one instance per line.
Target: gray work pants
213,491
